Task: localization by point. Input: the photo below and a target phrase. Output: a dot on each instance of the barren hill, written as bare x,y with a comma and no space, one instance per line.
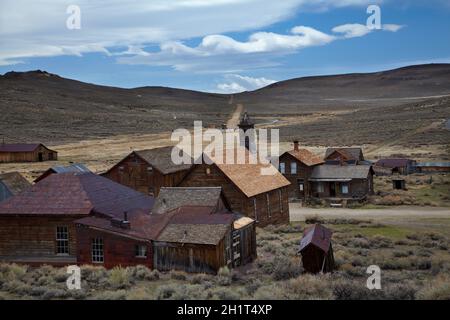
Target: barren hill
362,108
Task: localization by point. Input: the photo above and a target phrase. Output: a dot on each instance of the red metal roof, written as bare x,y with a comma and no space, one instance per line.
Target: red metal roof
19,147
318,236
76,194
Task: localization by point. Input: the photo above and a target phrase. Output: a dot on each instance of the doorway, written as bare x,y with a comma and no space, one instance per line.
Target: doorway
332,189
301,188
40,157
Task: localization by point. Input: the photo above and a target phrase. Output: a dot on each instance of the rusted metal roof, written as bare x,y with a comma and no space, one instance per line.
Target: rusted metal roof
172,198
318,236
15,182
18,147
76,194
248,176
394,163
77,167
306,157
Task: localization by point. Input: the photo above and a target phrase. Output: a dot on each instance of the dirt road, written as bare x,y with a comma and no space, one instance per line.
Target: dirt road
299,213
234,120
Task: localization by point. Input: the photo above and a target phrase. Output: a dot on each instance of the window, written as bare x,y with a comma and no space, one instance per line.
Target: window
282,167
254,208
344,188
293,167
149,169
62,240
97,250
141,251
301,185
268,205
208,170
319,187
121,168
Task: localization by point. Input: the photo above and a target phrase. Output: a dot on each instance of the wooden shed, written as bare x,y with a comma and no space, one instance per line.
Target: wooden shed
148,170
398,165
11,184
262,197
26,153
297,165
316,249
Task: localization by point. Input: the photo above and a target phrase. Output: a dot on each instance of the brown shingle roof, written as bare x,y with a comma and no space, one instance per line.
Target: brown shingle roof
172,198
349,153
333,172
15,182
306,157
248,177
76,194
20,147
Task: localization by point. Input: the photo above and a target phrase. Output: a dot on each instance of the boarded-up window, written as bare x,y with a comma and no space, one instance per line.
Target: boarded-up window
97,250
62,240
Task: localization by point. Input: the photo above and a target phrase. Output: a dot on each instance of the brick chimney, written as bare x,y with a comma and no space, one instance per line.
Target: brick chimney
296,145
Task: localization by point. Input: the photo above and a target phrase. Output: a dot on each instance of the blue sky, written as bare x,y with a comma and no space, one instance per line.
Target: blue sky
218,45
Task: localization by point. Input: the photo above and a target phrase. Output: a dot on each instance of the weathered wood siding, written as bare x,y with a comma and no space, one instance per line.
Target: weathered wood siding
134,172
117,250
357,188
46,155
247,243
34,236
189,257
303,173
314,259
266,212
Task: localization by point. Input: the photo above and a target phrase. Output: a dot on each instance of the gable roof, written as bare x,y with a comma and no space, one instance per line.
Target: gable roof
326,172
15,182
305,156
349,153
76,194
76,167
318,236
172,198
248,176
393,163
20,147
161,159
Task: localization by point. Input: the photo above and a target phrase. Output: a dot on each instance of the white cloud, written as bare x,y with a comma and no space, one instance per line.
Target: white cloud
237,83
354,30
38,28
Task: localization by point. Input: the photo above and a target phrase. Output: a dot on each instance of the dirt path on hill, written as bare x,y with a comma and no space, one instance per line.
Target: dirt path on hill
235,117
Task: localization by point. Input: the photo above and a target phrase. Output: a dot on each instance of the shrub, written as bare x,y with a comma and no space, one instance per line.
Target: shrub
380,242
141,272
199,278
225,294
285,268
438,289
94,276
180,292
224,276
309,287
178,275
111,295
119,278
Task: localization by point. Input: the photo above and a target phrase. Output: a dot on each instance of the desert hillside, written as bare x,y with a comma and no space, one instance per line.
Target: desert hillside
407,107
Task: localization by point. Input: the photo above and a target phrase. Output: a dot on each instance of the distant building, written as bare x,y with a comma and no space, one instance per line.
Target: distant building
316,249
11,184
63,169
148,170
245,125
26,153
297,165
342,182
341,156
433,167
398,165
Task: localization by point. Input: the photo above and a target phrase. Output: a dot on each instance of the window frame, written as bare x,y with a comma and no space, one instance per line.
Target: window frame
62,242
139,253
282,167
97,250
346,186
294,167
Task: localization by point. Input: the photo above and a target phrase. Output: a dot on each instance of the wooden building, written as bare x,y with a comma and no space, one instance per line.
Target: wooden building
333,182
11,184
37,226
251,188
296,166
26,153
201,236
148,170
77,167
397,166
344,156
316,249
